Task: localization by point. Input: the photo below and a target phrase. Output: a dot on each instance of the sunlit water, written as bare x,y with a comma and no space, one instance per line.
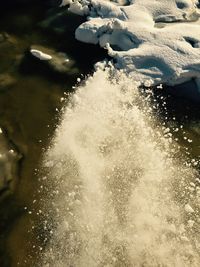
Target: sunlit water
118,191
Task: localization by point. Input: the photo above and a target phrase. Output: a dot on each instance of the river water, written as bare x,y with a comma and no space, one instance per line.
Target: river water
111,179
29,114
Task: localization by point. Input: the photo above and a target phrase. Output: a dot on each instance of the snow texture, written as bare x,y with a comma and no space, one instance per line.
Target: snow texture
155,41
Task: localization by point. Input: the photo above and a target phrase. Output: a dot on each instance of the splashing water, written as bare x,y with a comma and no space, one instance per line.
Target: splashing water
117,194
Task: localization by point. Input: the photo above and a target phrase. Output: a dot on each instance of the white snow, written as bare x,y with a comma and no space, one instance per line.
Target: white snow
153,41
189,209
39,54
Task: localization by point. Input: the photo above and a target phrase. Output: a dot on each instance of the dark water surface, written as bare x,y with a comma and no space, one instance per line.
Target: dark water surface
28,111
29,102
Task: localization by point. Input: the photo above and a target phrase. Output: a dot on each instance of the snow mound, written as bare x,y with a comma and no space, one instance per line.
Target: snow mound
153,41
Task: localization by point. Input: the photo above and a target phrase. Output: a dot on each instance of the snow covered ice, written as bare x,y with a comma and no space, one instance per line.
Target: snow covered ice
153,41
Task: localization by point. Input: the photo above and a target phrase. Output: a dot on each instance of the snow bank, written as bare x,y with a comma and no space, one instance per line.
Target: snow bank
153,41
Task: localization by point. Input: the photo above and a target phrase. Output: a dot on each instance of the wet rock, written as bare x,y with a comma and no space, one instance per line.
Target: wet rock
56,61
9,164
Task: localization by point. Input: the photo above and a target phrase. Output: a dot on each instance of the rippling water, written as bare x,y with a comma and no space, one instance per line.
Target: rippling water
119,193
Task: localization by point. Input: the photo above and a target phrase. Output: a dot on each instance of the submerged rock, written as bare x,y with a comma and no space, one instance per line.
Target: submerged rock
9,164
61,21
56,61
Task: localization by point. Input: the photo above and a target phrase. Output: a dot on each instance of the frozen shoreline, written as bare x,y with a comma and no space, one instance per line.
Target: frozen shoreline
156,43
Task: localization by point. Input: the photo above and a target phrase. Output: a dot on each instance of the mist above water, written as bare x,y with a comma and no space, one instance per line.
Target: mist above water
118,192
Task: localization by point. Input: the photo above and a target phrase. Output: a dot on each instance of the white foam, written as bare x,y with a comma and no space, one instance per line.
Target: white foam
116,193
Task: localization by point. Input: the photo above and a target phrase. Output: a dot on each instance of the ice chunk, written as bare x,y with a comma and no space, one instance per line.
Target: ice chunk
39,54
